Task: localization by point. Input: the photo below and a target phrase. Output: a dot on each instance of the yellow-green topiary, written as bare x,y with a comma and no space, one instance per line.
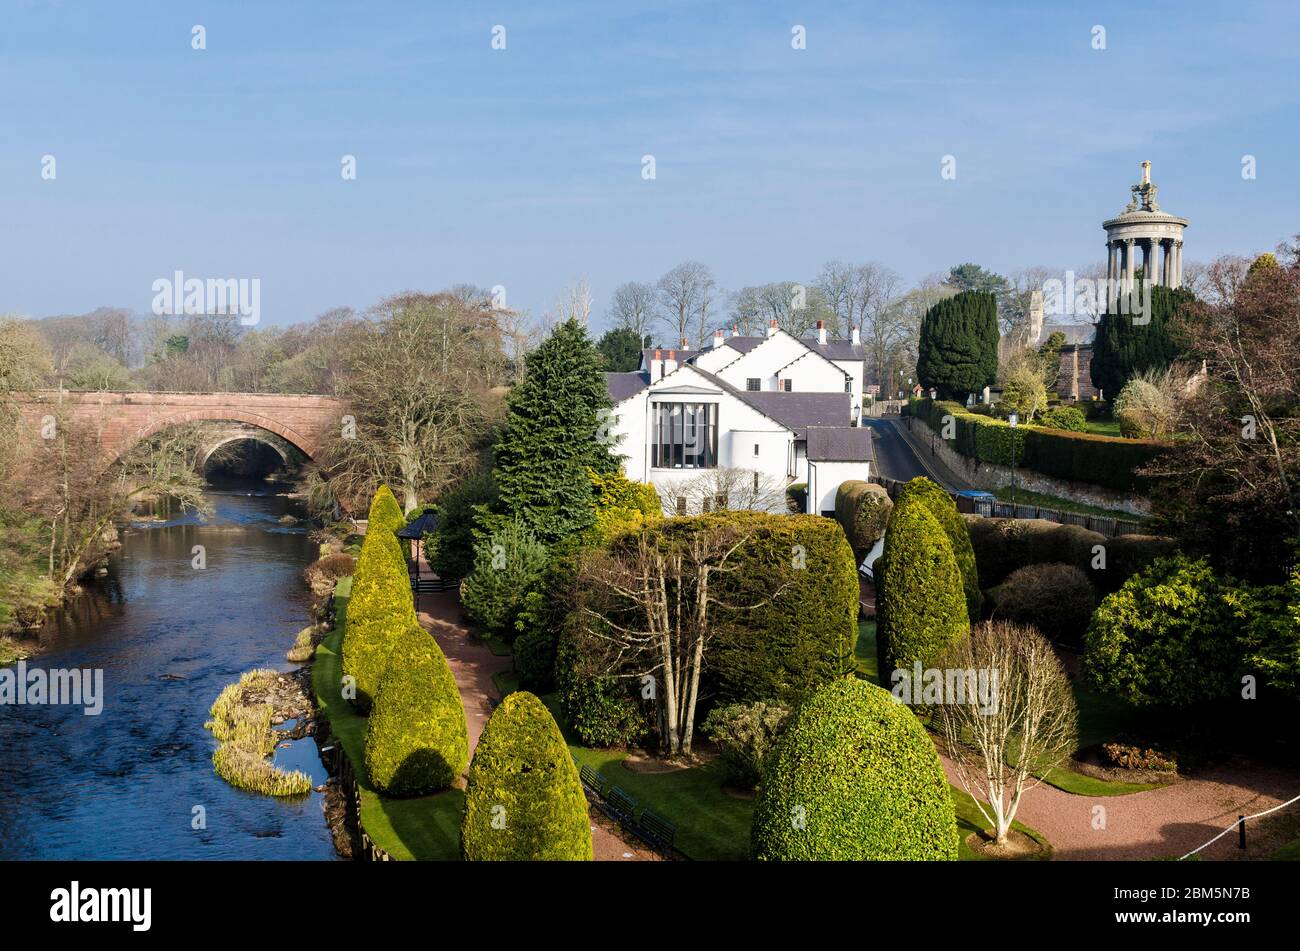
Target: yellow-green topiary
380,607
416,739
525,801
385,511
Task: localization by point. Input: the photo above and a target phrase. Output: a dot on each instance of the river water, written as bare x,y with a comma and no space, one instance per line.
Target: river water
168,636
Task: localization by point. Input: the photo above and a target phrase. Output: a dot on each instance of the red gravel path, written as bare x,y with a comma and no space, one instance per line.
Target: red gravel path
1159,823
473,664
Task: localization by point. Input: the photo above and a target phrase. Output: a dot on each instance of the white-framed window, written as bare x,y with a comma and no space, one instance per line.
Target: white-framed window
753,384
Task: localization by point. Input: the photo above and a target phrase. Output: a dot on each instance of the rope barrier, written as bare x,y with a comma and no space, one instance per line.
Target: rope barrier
1238,823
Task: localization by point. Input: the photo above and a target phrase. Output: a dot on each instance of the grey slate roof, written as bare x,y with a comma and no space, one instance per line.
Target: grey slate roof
798,411
838,444
623,386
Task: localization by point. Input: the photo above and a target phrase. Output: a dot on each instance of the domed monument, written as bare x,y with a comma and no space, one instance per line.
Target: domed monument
1143,226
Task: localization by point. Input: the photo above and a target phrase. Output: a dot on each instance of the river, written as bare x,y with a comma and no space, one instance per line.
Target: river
168,636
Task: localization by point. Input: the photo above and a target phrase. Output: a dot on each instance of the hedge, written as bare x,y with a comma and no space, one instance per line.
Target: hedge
524,801
920,602
1108,461
385,512
1056,599
800,571
1004,545
944,509
854,777
416,740
862,509
380,608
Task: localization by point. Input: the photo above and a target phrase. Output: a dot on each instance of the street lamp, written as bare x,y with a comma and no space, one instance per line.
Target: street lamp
1013,419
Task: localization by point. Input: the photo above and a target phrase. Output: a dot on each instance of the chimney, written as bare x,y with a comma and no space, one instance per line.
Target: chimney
659,359
857,335
672,356
686,344
735,330
821,332
771,327
717,337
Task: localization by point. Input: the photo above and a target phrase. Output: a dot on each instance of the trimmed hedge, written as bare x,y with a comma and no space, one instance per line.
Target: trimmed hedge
944,509
854,777
862,509
385,512
1056,599
416,740
1108,461
381,606
806,632
920,602
525,800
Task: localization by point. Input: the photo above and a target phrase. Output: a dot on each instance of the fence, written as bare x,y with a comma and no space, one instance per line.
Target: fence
877,408
1106,525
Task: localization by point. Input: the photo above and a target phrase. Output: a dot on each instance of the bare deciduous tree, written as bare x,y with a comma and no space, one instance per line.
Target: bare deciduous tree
633,307
733,489
683,294
1002,749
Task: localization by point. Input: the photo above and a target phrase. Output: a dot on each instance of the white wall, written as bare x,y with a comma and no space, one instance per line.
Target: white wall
824,480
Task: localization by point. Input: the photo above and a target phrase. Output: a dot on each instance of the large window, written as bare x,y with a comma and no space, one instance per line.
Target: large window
684,435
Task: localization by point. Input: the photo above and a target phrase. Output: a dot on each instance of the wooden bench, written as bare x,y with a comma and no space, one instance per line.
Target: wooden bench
592,780
657,830
620,805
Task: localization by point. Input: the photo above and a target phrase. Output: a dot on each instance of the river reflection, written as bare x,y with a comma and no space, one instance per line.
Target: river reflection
168,636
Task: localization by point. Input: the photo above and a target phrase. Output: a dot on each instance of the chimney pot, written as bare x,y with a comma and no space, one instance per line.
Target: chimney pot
771,327
821,332
857,335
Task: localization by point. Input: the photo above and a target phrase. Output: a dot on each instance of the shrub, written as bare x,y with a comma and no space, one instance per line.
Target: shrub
384,511
1271,641
600,710
944,509
416,739
1057,599
796,497
958,347
861,773
1147,404
380,606
862,509
508,564
450,547
921,608
745,734
524,801
1166,637
534,652
322,574
1135,757
1067,418
800,572
621,505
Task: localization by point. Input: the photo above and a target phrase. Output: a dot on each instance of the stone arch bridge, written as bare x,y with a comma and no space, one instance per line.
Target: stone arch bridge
123,419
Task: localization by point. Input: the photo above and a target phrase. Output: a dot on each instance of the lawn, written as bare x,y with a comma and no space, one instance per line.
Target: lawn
1044,501
969,820
424,827
865,652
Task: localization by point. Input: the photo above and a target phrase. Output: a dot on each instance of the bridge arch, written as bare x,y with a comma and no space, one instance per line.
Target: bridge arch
299,441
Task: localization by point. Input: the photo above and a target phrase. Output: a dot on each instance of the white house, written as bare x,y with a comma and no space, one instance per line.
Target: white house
783,408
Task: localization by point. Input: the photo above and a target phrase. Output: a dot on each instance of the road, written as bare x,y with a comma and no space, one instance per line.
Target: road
896,459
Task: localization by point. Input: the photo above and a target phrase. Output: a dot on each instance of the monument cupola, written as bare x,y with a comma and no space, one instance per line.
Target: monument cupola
1143,227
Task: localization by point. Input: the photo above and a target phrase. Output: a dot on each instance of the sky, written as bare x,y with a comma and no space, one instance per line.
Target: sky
523,167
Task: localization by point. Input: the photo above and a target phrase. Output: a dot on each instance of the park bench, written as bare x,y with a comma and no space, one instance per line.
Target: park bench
657,830
620,805
592,780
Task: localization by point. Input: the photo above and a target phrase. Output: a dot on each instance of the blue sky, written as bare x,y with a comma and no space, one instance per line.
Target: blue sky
522,167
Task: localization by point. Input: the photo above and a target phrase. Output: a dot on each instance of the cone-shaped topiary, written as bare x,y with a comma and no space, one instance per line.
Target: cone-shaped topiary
385,511
380,607
854,777
943,508
525,801
922,607
416,741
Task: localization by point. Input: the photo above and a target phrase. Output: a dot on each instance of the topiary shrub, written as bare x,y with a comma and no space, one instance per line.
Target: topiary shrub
862,509
1057,599
601,711
944,509
416,739
745,734
524,802
921,606
855,777
1168,636
384,511
380,606
796,497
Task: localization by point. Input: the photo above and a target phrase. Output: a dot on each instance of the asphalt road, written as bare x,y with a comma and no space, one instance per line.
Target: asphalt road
895,458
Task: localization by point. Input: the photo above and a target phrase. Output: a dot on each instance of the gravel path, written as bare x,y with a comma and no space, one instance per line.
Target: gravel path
473,664
1159,823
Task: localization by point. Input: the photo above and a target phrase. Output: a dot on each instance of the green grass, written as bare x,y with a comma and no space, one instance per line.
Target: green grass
969,820
506,682
1044,501
423,827
498,647
865,652
1104,427
1288,853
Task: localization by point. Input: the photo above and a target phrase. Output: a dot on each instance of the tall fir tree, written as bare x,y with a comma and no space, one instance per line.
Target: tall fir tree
1122,349
958,349
555,431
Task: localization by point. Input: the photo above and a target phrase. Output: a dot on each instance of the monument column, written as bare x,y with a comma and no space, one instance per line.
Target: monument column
1129,269
1156,270
1110,261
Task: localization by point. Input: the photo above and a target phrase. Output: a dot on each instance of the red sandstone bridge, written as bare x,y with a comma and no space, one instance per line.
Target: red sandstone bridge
123,419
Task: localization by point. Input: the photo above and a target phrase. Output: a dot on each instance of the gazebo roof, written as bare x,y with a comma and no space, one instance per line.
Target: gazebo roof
419,527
